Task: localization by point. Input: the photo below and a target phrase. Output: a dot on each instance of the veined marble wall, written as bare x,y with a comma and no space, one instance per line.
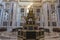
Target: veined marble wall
15,18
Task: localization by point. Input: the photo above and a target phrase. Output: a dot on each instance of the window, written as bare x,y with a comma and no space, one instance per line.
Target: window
22,10
53,23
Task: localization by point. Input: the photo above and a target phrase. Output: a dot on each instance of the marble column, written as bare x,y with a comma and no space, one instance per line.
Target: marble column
45,14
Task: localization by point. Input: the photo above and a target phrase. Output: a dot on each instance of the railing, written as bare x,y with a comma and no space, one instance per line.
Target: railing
13,27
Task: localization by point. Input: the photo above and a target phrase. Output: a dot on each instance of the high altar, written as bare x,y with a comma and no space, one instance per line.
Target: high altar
30,30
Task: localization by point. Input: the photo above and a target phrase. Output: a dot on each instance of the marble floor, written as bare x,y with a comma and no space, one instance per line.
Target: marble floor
52,36
13,36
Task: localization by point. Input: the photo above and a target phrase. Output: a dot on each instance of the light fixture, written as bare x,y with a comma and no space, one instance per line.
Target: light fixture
29,5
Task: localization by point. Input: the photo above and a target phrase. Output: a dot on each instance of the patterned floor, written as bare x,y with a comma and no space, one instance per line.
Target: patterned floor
13,36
